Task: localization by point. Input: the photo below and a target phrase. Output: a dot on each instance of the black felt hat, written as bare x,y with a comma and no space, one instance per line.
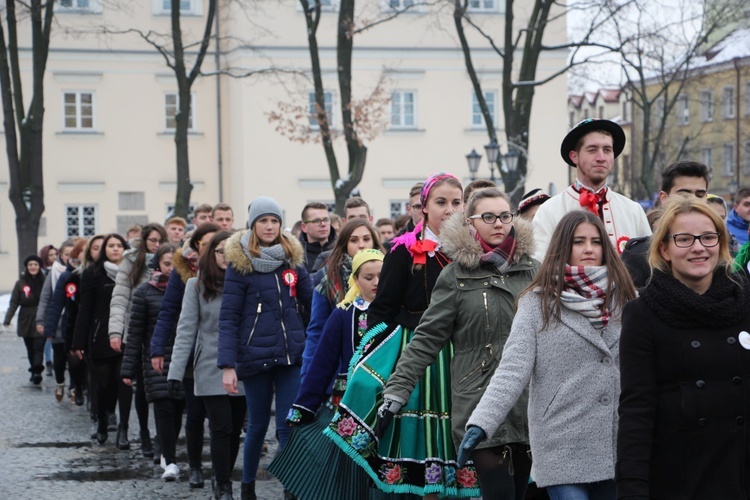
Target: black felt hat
591,125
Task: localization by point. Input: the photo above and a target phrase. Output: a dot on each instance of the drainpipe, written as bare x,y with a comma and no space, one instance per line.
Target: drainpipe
217,62
736,62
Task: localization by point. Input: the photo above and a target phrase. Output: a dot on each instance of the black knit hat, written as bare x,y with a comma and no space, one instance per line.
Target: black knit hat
591,125
34,258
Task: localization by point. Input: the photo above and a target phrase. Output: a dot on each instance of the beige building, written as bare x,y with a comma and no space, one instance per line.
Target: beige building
110,101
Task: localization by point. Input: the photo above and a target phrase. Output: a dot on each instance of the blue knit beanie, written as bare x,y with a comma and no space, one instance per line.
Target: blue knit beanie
260,206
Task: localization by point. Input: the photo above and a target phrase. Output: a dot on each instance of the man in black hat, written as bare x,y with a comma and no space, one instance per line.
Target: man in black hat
591,147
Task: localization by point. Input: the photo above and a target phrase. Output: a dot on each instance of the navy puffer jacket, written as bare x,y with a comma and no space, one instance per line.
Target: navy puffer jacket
259,324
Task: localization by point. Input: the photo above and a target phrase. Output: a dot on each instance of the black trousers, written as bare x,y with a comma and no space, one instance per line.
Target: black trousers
195,415
503,470
109,388
35,352
226,414
141,405
168,416
59,360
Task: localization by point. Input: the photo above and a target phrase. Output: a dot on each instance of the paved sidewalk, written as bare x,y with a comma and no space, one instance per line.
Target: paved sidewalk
46,451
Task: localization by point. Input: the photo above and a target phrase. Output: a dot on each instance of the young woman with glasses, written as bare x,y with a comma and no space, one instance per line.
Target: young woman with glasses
472,307
684,358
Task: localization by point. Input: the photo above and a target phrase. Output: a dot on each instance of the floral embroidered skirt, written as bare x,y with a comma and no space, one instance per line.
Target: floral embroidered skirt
416,454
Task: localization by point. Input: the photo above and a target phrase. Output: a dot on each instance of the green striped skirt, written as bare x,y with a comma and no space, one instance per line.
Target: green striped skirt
416,454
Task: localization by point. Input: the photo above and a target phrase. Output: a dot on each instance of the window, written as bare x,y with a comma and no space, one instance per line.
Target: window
82,6
80,220
400,4
171,106
477,119
746,167
312,108
727,102
727,160
398,207
78,110
707,106
190,7
403,109
707,157
482,6
683,110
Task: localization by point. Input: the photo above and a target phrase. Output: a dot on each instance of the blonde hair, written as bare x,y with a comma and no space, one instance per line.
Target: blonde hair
253,245
680,205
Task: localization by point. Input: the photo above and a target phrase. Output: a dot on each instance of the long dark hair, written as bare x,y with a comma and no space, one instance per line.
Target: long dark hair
98,266
200,232
210,275
139,264
335,287
550,279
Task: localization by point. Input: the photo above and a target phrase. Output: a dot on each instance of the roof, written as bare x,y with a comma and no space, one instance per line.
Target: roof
735,45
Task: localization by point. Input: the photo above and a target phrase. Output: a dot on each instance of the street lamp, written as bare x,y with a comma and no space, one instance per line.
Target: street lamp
493,152
511,162
732,186
473,160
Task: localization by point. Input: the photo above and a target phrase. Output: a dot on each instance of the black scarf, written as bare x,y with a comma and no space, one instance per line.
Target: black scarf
724,303
36,283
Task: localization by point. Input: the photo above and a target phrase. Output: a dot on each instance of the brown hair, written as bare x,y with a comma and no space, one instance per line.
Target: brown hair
210,275
200,232
680,205
550,280
416,189
356,202
87,258
203,208
223,207
140,264
475,185
78,245
285,240
335,286
385,222
176,220
313,204
482,194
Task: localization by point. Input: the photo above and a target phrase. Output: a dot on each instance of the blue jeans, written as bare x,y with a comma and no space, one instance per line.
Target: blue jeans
259,391
601,490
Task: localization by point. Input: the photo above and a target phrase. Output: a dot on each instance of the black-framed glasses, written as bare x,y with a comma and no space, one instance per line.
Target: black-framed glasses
686,240
154,240
490,218
318,222
416,206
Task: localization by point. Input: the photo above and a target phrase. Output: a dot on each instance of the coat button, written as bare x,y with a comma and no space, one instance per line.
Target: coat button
702,422
605,400
740,420
695,344
461,285
485,283
731,340
607,361
736,380
700,384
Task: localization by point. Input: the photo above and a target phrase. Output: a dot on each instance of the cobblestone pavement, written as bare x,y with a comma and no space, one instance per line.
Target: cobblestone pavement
46,451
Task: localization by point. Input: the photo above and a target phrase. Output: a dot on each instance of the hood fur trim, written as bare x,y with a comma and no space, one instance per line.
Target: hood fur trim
181,266
241,263
464,250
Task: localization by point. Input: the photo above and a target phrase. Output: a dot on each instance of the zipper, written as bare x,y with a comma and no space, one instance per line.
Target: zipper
486,311
472,372
281,317
255,322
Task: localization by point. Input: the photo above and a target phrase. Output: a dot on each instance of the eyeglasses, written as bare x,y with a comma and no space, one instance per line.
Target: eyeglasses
490,218
219,251
318,222
416,206
154,240
686,240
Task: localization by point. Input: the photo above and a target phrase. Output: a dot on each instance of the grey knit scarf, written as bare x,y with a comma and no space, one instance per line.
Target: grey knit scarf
271,258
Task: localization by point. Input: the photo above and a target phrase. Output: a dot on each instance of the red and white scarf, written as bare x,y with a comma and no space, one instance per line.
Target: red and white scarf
585,292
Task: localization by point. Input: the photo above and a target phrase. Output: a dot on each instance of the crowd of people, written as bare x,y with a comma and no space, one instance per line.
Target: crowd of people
466,350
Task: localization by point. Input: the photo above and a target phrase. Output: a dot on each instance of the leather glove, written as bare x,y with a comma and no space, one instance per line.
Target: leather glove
175,389
299,415
390,407
474,435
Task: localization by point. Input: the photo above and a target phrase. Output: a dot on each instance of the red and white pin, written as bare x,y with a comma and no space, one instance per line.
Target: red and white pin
290,280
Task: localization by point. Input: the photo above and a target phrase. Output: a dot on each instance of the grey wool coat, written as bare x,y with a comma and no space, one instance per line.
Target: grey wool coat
572,370
472,306
199,324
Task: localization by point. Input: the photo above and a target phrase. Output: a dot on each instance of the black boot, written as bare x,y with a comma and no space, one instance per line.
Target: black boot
225,491
122,437
195,478
147,447
194,444
111,422
248,491
157,450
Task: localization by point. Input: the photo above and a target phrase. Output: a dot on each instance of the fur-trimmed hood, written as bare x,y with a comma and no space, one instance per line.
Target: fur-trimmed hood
180,264
459,245
236,256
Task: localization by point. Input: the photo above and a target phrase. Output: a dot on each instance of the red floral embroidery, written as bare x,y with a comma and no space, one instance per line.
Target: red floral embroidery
347,426
393,475
466,477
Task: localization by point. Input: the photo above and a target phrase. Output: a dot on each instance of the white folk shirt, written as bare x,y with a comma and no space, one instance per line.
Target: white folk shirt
623,219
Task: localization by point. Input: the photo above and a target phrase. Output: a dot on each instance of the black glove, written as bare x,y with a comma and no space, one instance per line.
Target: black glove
175,389
474,435
299,415
390,407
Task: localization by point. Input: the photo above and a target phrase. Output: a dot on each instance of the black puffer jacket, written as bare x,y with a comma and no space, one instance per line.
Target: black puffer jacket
143,314
90,333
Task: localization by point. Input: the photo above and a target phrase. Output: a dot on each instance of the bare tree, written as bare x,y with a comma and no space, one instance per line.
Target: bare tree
519,78
23,128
